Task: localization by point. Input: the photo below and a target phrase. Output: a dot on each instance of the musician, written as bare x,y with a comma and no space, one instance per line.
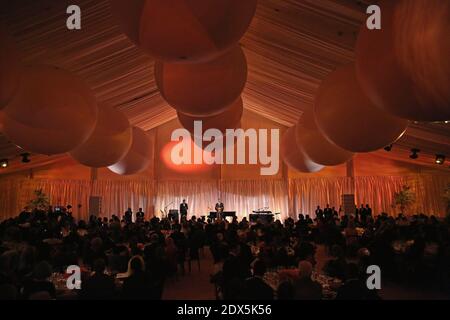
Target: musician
219,206
184,208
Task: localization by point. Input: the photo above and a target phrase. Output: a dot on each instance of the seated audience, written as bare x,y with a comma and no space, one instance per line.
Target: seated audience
98,286
39,283
304,287
138,285
255,287
355,288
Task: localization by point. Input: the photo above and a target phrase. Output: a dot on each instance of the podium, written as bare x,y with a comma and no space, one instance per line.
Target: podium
213,214
173,214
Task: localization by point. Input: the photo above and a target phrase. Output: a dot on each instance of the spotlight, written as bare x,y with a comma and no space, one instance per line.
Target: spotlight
414,153
440,159
4,163
25,157
388,148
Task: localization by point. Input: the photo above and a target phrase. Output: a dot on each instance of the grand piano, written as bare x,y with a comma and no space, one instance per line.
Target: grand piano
265,216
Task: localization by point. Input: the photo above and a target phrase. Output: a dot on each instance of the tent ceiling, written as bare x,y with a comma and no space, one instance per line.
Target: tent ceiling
291,46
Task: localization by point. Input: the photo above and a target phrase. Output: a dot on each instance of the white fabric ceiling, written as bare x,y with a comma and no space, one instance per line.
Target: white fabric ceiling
291,46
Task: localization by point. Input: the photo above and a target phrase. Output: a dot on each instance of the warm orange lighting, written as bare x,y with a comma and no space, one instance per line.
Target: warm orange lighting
183,168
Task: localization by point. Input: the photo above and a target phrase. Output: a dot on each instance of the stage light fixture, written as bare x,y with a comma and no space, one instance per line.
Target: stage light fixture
440,159
388,148
4,163
25,157
414,153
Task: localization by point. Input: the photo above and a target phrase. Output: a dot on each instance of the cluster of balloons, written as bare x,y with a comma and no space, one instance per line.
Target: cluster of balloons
401,74
404,68
48,110
200,68
186,31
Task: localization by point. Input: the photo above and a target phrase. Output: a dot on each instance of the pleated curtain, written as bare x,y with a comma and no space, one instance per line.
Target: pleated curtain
286,197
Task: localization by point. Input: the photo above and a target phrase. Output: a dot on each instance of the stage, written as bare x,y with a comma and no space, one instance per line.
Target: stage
287,197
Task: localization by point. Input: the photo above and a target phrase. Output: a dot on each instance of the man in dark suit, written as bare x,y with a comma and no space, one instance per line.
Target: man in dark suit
99,286
368,211
219,207
128,216
184,208
255,287
305,288
140,215
319,212
327,212
362,213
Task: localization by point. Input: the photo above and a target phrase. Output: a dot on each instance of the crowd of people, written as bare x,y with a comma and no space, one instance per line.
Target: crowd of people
147,252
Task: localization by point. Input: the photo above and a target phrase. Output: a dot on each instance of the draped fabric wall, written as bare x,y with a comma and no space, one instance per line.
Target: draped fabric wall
15,194
248,195
198,194
282,196
379,191
307,194
117,196
429,190
239,196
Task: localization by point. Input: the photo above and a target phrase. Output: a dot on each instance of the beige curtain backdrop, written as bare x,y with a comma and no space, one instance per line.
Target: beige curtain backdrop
198,194
248,195
287,197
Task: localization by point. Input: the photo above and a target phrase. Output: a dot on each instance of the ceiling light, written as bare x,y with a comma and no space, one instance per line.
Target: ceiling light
414,153
25,157
440,159
4,163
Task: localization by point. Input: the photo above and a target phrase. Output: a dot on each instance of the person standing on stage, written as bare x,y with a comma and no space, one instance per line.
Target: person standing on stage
219,207
128,216
140,215
319,213
184,208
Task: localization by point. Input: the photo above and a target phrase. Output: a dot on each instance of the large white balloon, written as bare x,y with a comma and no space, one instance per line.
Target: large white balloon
184,30
203,89
404,67
314,144
52,112
138,157
110,141
293,156
347,117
